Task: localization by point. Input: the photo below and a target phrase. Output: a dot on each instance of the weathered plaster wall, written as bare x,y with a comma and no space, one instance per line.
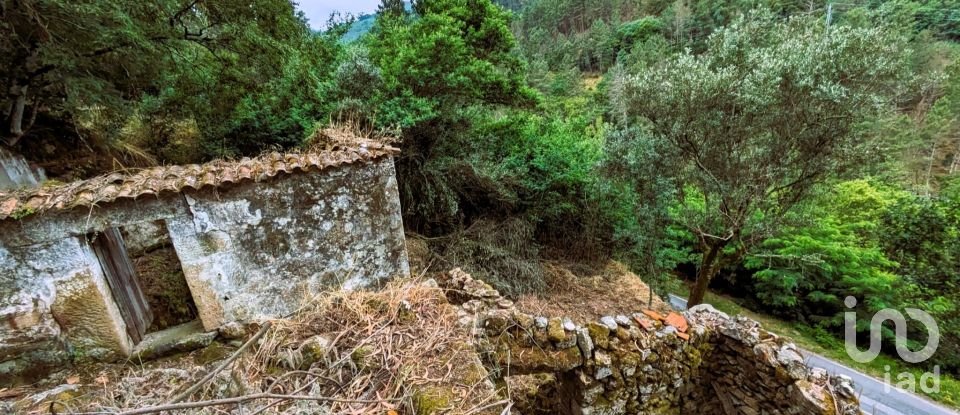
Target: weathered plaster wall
55,305
255,249
702,362
251,251
89,319
145,236
55,226
54,302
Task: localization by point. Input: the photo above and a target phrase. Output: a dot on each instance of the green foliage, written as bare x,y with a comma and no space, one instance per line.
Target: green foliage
740,119
484,167
22,212
587,36
940,17
923,235
93,68
455,54
639,30
811,267
283,109
523,180
554,161
392,8
356,84
888,248
643,200
544,166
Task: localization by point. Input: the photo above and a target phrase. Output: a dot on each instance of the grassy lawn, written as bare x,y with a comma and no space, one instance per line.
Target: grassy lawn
825,344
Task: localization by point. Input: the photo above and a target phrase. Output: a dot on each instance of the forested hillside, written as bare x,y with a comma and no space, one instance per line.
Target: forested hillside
789,153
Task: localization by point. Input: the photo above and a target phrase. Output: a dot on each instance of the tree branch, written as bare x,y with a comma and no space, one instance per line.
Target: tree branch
176,16
186,394
241,399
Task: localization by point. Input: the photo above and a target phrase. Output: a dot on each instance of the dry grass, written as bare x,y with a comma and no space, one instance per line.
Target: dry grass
500,253
419,255
611,291
398,349
347,133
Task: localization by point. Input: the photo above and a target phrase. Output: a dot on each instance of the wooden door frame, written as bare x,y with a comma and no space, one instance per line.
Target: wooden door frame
117,268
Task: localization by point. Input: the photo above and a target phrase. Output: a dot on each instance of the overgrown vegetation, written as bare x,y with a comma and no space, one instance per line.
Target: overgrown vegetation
399,350
789,153
168,81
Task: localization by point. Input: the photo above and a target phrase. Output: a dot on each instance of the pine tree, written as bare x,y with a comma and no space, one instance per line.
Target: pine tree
393,8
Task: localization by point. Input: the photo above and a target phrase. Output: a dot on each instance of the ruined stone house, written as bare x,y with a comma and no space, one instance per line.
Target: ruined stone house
91,268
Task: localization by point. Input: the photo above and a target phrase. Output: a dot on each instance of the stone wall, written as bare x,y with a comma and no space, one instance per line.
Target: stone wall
700,362
52,287
250,250
751,371
54,303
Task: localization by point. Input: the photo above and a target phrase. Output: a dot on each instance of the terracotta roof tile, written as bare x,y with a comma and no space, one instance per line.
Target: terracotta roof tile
676,320
113,186
653,314
645,323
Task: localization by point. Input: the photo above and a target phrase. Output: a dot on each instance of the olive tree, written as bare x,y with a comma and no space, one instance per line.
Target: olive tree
770,109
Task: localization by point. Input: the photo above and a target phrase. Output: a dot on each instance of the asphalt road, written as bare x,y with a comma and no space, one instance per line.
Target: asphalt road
876,397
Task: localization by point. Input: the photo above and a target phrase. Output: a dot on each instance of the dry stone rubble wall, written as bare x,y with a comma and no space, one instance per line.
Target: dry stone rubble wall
700,362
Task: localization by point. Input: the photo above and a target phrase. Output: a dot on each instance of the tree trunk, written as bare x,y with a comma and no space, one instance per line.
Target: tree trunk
933,153
16,115
708,268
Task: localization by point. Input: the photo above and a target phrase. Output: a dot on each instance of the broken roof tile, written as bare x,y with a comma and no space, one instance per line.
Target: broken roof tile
653,314
676,320
643,322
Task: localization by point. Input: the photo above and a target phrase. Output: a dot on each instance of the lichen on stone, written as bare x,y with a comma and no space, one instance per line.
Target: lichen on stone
432,400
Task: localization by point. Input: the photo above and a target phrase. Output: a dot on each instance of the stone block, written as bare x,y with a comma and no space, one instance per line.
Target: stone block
209,307
89,318
183,338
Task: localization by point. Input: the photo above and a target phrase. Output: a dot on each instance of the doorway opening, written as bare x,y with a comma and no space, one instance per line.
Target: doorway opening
160,274
145,277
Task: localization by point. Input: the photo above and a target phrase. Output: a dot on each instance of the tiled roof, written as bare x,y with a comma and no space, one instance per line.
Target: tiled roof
151,181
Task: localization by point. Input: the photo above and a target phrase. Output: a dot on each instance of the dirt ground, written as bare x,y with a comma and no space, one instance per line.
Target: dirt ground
611,291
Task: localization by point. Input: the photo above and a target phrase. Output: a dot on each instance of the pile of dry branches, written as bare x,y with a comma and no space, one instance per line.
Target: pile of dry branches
398,350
